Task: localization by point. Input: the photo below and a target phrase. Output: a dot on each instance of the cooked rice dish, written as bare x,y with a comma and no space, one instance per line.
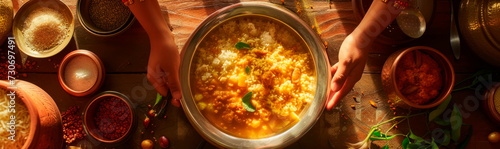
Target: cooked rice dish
252,76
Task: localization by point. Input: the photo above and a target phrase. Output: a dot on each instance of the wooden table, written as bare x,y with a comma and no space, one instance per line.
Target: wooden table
125,58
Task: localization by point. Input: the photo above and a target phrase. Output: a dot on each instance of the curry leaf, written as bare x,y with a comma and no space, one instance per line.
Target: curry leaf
247,103
464,143
446,139
434,145
158,99
405,143
242,45
456,123
440,109
377,135
385,147
441,122
417,139
247,70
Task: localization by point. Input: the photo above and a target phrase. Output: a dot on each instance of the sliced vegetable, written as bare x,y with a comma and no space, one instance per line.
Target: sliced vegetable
242,45
247,103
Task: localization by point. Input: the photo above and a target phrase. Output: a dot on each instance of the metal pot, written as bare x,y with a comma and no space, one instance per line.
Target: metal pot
309,115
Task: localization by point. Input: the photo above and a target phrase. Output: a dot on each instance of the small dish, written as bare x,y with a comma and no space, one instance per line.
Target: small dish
114,20
110,117
492,103
81,73
400,95
43,28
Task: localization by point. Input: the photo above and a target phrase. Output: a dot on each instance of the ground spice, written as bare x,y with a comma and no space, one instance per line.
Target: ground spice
44,29
72,125
496,99
6,14
112,118
108,15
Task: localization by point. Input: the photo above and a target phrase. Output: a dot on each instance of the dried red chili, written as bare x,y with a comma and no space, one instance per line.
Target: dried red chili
72,125
112,118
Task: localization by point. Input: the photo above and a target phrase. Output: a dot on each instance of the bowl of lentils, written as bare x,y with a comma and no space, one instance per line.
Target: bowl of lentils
109,117
104,17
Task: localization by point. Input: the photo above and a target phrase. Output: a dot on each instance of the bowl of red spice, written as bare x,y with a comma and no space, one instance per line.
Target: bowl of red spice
417,77
104,17
110,117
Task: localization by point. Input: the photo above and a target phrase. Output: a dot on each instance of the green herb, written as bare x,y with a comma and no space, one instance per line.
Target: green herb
247,70
440,109
405,143
242,45
247,103
456,123
158,99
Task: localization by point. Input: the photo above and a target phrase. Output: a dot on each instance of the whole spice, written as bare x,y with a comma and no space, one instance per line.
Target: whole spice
108,15
147,144
373,104
146,122
72,125
112,118
164,143
151,113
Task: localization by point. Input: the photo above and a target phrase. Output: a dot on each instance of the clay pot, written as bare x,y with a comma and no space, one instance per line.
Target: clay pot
46,127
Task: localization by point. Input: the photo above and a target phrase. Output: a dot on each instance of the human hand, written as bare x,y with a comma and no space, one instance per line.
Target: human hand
347,71
163,66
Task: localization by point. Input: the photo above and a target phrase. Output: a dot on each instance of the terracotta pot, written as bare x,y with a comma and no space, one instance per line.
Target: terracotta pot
46,127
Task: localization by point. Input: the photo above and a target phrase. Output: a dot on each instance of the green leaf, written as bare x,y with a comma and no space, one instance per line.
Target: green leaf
440,109
456,123
441,122
417,139
247,103
377,133
385,147
446,139
413,146
405,143
464,143
434,145
158,99
247,70
241,45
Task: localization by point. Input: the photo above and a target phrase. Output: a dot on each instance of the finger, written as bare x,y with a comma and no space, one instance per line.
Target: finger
174,85
341,74
160,85
336,96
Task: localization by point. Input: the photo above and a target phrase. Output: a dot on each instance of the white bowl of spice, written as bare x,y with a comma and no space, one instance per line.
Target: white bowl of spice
104,17
43,28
